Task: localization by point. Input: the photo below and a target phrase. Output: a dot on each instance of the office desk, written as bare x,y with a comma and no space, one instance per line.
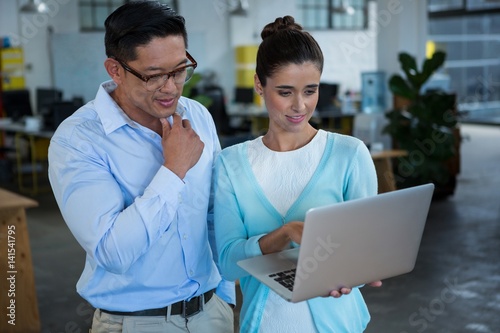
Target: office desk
335,121
259,119
18,302
257,115
38,142
20,128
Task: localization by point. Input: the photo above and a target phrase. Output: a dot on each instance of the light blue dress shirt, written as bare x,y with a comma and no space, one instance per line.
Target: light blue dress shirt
145,231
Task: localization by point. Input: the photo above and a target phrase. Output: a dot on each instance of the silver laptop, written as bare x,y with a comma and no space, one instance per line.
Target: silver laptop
348,244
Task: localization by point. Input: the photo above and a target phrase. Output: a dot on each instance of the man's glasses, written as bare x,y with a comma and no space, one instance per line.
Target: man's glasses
156,81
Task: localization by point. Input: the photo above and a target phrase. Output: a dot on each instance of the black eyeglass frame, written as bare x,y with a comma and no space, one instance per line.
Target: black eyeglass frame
146,78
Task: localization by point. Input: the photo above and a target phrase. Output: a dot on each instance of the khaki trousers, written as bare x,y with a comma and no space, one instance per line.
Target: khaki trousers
217,317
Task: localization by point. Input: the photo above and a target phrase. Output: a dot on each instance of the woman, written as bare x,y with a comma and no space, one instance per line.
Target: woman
264,187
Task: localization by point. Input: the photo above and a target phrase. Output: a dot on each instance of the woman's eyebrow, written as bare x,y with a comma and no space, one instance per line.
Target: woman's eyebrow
284,86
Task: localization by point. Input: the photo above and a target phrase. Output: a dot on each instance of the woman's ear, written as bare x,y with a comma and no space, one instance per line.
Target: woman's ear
113,68
257,85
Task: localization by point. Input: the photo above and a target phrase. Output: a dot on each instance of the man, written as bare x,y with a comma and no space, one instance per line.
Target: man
131,173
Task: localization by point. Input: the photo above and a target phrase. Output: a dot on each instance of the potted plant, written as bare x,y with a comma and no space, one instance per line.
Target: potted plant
424,123
190,90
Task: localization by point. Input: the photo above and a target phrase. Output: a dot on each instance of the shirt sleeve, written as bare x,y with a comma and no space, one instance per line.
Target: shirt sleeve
362,176
113,232
226,289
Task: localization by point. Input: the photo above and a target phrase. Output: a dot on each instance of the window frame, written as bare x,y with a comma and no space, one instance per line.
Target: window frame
464,10
309,8
110,6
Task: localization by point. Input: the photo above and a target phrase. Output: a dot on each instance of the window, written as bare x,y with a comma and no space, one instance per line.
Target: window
332,14
469,32
443,8
444,5
93,13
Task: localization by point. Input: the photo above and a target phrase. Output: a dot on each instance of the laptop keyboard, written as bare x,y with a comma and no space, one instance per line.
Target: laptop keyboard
285,278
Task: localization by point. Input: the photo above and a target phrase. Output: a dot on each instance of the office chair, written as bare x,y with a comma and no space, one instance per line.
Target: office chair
228,134
218,109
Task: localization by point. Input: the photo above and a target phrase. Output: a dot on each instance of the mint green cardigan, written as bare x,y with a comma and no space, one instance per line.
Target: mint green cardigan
243,215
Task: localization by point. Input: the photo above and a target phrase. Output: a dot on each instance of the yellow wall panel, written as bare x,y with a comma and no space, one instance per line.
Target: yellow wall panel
246,54
12,67
245,65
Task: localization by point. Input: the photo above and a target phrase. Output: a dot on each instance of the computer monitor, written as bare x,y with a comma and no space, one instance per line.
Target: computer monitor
244,95
45,97
59,112
327,94
16,104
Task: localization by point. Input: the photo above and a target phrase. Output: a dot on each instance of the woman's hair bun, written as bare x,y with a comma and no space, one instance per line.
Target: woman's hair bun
281,23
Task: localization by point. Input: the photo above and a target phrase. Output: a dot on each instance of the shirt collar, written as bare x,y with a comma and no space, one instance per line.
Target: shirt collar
111,115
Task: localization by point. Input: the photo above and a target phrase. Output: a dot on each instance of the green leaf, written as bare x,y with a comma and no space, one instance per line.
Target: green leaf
188,86
408,64
409,67
188,91
400,87
204,100
432,64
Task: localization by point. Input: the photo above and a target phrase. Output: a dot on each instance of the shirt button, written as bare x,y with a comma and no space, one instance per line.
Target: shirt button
179,198
191,272
184,236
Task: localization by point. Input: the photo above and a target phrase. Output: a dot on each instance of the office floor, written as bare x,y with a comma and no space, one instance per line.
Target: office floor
455,286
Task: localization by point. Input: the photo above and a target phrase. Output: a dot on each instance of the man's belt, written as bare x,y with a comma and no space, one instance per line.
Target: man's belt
184,308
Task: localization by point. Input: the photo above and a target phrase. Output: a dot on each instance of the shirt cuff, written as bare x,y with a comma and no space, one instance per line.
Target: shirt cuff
165,176
252,246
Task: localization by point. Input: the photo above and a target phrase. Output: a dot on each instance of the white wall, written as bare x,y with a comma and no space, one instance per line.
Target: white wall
343,62
208,35
31,32
213,34
402,27
8,19
348,54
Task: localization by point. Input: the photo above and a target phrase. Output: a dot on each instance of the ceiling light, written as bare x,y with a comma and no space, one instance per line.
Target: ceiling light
345,8
241,8
33,7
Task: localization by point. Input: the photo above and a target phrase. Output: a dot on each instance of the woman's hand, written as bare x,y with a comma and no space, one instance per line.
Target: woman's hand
294,230
339,293
280,238
347,291
375,284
